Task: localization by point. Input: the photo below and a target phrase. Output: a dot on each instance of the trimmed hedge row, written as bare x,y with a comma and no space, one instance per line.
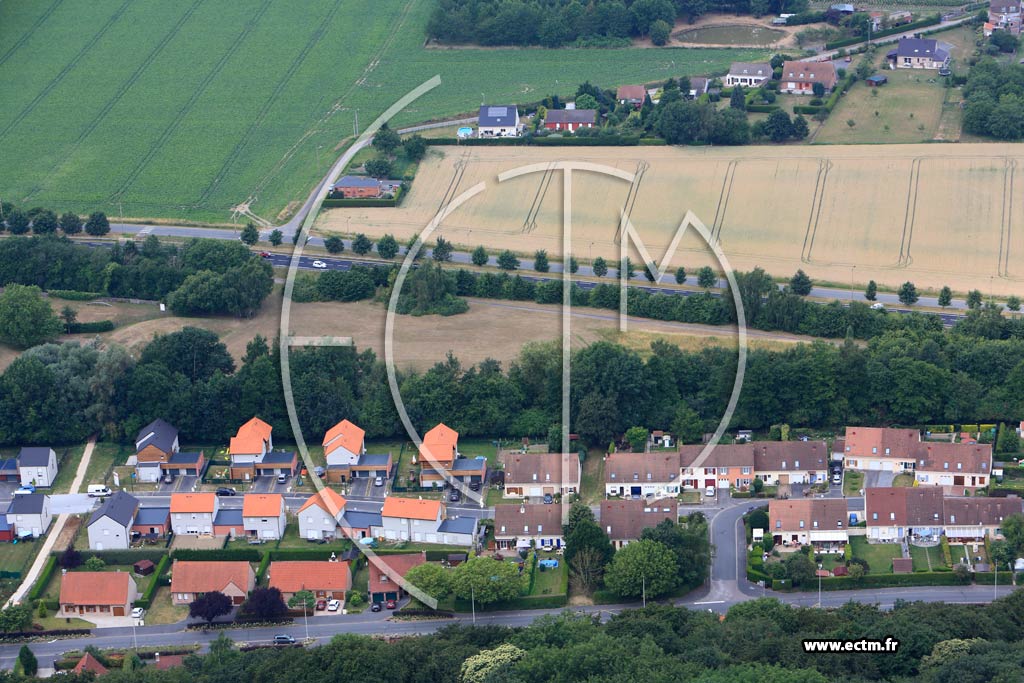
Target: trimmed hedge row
56,633
806,109
125,556
97,326
44,579
521,603
1005,578
224,554
337,203
262,571
298,554
440,614
920,23
147,597
547,140
761,108
836,583
74,295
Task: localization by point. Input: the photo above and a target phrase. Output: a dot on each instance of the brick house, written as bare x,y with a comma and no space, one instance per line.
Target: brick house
625,520
570,119
383,582
357,187
799,77
97,593
190,579
1005,15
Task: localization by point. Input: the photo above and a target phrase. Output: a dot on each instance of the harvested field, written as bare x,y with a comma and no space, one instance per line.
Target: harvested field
932,214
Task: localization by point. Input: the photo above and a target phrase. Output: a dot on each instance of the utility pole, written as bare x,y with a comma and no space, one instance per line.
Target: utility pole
304,617
819,585
643,585
472,601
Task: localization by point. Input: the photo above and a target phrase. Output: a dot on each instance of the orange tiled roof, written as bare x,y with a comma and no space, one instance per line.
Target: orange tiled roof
346,435
94,588
202,577
410,508
262,504
291,577
90,663
440,444
193,502
250,437
328,500
398,566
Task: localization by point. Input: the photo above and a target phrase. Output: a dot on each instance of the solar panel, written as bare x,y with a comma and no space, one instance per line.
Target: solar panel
497,111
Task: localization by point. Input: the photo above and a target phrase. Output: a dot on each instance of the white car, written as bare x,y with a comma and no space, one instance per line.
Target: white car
878,306
709,492
319,264
138,613
333,605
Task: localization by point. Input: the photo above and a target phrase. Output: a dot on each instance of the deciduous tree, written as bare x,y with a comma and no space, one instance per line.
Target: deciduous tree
479,256
97,225
250,234
540,261
600,267
265,603
334,245
387,247
643,566
71,223
26,319
706,277
486,580
209,606
362,244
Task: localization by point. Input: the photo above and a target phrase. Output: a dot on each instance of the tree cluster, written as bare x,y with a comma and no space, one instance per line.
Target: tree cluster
994,95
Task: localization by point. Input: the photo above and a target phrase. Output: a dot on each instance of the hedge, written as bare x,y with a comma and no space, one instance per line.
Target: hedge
44,579
762,108
920,23
755,576
838,583
440,614
74,295
125,556
302,554
147,597
740,494
806,109
947,556
336,203
55,633
97,326
524,602
262,571
1005,578
222,555
546,140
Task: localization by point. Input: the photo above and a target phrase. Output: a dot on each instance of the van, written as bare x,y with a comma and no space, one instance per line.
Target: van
98,491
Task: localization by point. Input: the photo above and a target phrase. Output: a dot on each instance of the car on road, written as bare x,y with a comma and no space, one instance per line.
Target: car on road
375,607
264,254
455,496
281,639
96,490
379,481
878,306
138,613
390,604
226,491
334,605
319,264
548,499
709,492
282,479
25,489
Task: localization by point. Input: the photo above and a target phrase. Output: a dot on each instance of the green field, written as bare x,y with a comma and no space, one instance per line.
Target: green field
186,109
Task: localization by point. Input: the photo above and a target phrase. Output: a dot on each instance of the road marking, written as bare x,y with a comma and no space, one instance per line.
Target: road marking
710,602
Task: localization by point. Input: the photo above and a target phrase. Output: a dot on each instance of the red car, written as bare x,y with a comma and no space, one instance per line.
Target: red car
264,254
321,605
390,604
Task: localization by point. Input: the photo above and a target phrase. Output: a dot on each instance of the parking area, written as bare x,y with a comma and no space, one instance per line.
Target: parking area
877,479
269,484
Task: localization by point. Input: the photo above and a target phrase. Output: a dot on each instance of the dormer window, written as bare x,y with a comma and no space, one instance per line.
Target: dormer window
959,465
874,449
815,524
892,516
952,519
778,524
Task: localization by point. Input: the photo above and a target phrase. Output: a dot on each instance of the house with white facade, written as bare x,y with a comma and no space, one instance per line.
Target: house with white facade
896,513
263,515
644,475
726,466
959,468
411,519
527,525
29,515
193,513
110,527
498,121
320,516
37,466
791,462
819,522
343,444
747,75
535,475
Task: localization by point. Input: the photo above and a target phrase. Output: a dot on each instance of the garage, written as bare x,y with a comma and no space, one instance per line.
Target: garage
874,464
118,611
709,482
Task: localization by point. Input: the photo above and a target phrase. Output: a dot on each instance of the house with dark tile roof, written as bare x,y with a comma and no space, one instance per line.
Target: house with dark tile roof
110,526
625,520
37,466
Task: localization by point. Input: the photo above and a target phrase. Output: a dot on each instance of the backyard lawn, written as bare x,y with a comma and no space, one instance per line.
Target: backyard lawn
921,556
163,611
104,457
853,482
549,581
878,556
66,472
903,480
16,557
592,484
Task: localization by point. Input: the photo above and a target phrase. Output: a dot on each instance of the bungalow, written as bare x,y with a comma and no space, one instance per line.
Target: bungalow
37,466
155,444
698,86
727,465
193,513
880,448
411,519
343,444
625,520
799,77
190,579
747,75
534,475
324,579
969,520
647,475
356,187
321,514
29,515
97,593
263,515
153,522
387,570
819,522
110,527
893,514
229,522
570,119
959,468
791,462
1005,15
633,95
90,664
524,525
918,53
498,121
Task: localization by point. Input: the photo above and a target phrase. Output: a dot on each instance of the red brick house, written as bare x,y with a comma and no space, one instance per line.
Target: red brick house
570,119
357,187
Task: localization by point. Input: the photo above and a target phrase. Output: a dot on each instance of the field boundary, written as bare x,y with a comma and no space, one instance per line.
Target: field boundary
723,201
1009,173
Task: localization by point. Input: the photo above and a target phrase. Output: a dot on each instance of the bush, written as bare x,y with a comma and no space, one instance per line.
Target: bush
126,556
147,597
225,554
834,583
947,556
96,326
73,295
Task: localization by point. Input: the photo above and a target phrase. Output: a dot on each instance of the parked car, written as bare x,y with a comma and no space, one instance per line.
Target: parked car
878,306
320,471
138,613
282,479
281,639
226,491
837,478
25,489
379,481
455,496
548,499
168,478
375,607
334,605
474,486
709,492
321,605
391,604
319,264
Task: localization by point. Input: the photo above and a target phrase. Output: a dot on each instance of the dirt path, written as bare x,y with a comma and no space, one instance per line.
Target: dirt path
55,532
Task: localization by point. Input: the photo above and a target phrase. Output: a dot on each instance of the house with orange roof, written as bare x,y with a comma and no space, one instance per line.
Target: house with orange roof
424,521
263,515
90,663
383,582
343,444
193,513
882,449
440,447
190,579
321,515
248,446
106,594
324,579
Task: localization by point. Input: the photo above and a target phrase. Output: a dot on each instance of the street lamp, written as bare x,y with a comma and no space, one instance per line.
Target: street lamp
819,585
304,617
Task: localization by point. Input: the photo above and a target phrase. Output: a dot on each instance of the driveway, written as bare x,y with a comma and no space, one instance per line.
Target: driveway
72,503
877,479
363,488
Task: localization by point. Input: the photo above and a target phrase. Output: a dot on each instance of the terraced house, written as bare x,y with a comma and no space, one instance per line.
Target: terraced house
924,514
642,475
819,522
535,475
624,520
727,465
520,526
791,462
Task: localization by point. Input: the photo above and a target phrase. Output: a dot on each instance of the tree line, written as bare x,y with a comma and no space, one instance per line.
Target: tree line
760,640
553,23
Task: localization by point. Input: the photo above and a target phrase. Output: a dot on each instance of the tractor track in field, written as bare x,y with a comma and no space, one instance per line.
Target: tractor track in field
30,32
261,116
824,166
120,93
908,219
56,80
171,127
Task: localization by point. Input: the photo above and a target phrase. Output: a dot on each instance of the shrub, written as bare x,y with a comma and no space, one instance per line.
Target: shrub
96,326
947,556
72,295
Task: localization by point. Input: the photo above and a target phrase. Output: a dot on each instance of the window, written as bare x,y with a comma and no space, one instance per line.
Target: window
874,515
892,516
746,470
547,477
383,577
649,476
945,465
540,528
874,449
778,524
959,465
526,529
801,524
952,519
502,528
887,451
783,464
815,524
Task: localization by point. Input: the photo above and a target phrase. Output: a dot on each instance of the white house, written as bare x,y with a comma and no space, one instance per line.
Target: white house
534,475
37,466
498,121
29,515
344,443
321,515
519,526
110,527
263,515
648,475
747,75
411,519
193,513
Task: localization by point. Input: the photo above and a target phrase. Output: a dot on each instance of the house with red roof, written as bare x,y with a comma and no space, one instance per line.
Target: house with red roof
108,594
424,521
321,515
324,579
252,453
343,444
90,663
263,515
190,579
385,572
799,77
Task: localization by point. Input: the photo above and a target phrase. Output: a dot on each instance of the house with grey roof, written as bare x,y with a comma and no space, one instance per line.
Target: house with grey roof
918,53
110,526
570,119
37,465
458,531
746,74
156,444
356,524
30,515
498,121
357,187
152,521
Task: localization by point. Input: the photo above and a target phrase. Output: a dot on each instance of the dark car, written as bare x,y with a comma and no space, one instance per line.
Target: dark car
226,491
391,604
321,605
376,607
455,496
548,499
475,486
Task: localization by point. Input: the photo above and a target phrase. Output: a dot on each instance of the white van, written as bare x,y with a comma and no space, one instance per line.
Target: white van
98,491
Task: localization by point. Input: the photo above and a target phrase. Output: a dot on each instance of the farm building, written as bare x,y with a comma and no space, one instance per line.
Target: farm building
570,119
498,121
